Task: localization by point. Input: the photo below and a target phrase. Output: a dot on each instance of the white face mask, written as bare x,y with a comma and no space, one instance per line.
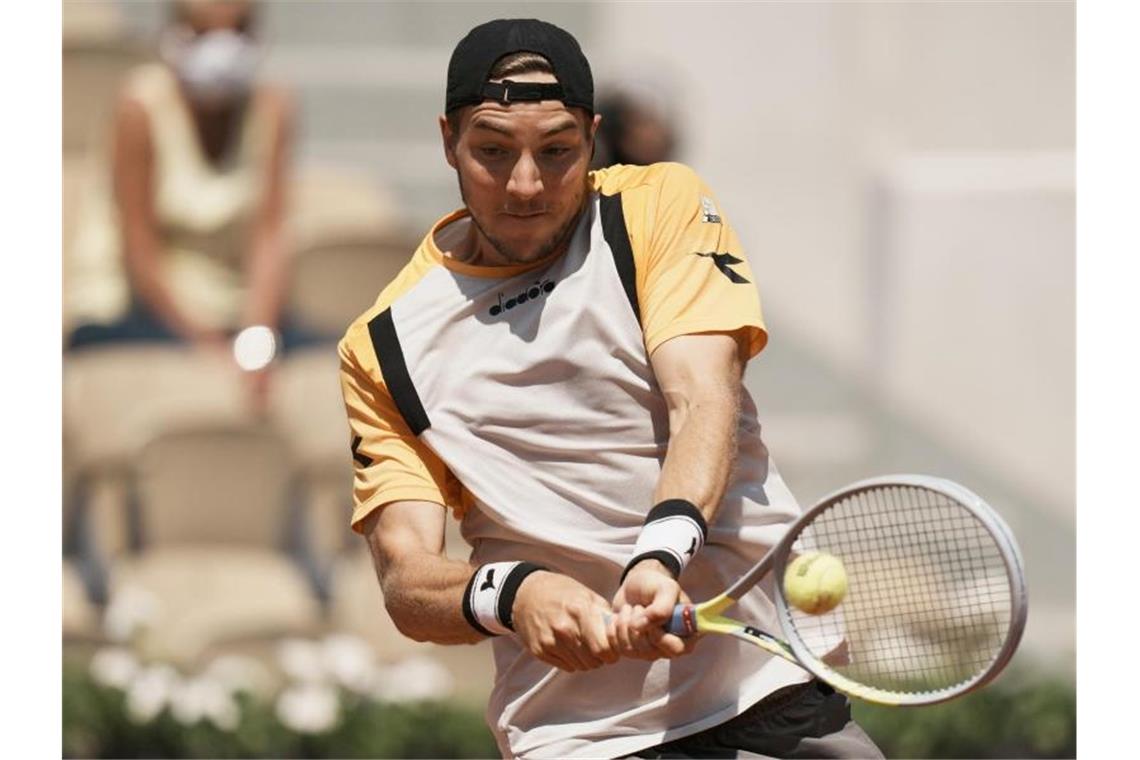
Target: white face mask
215,66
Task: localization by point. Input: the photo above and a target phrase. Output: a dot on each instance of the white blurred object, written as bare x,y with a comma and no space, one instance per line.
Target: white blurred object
302,660
413,679
216,65
308,708
114,667
204,698
151,692
255,347
237,672
130,610
350,661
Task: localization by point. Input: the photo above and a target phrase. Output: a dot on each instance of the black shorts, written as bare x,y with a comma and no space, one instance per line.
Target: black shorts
809,720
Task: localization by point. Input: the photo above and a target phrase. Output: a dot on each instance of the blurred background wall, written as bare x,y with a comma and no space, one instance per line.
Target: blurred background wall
902,175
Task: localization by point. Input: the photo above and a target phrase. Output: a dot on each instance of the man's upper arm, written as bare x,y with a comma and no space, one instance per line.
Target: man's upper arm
698,366
693,274
403,528
389,462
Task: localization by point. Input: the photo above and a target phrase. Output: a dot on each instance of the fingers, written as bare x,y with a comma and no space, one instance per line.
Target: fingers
570,627
596,637
631,636
570,630
660,610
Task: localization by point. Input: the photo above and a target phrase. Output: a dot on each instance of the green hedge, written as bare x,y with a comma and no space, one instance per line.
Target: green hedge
96,724
1012,719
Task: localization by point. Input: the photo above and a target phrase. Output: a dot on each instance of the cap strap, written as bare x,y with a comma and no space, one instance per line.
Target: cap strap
510,92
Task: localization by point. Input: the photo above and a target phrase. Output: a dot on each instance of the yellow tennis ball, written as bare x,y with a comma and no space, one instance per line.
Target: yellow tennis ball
815,582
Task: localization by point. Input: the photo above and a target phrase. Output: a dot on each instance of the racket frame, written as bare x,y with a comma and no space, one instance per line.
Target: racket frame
708,617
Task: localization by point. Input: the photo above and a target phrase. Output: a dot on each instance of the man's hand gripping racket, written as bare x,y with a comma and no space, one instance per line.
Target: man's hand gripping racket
935,603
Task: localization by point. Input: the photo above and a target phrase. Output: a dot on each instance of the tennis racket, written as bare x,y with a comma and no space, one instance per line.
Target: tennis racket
936,599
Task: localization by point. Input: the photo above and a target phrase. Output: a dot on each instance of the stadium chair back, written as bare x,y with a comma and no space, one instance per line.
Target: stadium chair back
307,407
336,279
214,484
115,399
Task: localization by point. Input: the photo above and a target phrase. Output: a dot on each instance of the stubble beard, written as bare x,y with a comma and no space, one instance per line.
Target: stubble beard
556,241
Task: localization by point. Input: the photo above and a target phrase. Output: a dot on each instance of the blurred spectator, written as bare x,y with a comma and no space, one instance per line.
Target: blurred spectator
637,125
184,244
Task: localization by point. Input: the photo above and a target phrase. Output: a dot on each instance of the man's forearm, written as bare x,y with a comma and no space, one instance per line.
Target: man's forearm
702,451
423,594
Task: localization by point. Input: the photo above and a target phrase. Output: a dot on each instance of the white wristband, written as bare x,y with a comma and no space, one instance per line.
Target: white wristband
490,595
675,530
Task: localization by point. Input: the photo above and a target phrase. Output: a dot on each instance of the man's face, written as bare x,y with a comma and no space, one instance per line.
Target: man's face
522,172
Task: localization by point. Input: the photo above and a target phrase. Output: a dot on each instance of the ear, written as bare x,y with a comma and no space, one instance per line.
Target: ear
448,141
594,135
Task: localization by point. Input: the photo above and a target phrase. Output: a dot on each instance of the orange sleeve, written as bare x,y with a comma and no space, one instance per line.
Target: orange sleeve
696,275
389,462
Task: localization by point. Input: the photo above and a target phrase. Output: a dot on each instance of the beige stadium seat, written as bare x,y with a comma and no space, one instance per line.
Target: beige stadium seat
117,397
114,399
333,202
193,599
335,279
307,407
203,483
215,518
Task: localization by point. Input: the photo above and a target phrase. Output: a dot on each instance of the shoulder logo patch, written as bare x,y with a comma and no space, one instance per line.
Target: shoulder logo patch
724,262
708,211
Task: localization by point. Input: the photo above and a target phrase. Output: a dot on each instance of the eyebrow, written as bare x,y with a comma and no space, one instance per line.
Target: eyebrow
560,127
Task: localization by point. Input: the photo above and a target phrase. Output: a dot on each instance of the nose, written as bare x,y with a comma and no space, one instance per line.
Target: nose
525,182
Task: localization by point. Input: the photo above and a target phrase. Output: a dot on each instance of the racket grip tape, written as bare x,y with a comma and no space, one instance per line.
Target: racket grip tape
683,622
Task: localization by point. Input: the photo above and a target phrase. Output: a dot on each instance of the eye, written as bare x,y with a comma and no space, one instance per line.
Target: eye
556,151
492,151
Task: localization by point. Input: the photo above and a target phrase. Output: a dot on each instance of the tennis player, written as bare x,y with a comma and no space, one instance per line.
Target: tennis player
559,365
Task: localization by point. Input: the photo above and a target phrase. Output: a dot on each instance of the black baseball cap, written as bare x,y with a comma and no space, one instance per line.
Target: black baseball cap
473,57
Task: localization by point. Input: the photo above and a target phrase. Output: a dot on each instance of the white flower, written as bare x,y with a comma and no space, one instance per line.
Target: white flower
414,679
150,692
302,660
130,609
237,672
203,697
308,708
350,661
114,667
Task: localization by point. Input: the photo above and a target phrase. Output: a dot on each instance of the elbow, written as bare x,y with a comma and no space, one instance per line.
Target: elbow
404,622
401,610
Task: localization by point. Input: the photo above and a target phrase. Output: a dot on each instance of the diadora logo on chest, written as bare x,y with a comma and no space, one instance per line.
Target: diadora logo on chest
533,292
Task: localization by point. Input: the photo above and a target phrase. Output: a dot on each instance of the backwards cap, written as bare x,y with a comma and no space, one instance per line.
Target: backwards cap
476,54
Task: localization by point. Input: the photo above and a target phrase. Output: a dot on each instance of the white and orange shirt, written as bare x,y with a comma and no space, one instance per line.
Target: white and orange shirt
523,398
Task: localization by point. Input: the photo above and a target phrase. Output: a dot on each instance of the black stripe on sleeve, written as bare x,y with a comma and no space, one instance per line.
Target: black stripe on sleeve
617,236
386,344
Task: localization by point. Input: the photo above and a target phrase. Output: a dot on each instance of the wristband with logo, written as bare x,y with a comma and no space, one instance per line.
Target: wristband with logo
674,531
490,595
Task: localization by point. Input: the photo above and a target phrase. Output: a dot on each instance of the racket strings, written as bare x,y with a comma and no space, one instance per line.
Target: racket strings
929,602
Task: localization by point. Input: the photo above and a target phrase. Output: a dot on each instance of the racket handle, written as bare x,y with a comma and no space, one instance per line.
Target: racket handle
683,623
